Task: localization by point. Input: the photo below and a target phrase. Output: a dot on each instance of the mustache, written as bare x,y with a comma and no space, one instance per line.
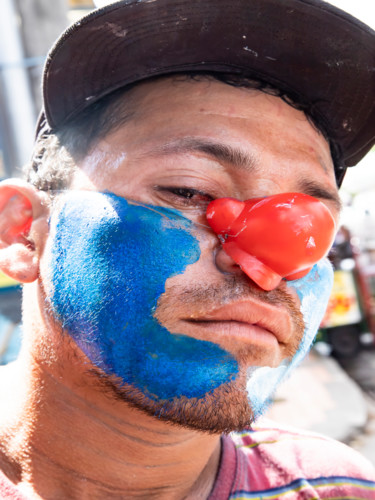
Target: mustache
179,301
230,289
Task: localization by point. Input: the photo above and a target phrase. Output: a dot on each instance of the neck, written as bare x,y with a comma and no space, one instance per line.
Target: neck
63,438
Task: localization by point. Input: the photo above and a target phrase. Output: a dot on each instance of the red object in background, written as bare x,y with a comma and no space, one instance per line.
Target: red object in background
272,238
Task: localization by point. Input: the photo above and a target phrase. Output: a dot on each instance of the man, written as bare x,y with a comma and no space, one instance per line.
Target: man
149,333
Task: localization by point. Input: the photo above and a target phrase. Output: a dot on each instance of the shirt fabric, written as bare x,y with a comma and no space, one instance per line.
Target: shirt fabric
269,462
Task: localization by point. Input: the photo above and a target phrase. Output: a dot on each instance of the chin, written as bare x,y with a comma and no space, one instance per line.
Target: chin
222,410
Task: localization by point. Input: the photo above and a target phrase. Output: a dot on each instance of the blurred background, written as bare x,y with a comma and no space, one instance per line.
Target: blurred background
344,353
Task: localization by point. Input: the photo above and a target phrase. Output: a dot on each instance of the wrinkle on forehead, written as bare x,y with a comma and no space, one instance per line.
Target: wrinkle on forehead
261,112
271,103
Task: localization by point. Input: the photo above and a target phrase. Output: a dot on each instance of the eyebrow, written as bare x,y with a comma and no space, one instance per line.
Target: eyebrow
242,160
317,190
215,150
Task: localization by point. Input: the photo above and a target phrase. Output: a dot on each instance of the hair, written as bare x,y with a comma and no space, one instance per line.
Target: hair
56,153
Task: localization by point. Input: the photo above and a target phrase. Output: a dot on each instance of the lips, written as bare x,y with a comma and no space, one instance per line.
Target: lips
254,315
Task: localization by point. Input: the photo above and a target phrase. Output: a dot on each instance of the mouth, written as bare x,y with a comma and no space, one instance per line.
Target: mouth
219,331
248,323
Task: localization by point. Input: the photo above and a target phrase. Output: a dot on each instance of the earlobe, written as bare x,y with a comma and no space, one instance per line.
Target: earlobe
22,208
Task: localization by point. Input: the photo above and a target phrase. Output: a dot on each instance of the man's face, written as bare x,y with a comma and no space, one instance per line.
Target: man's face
167,315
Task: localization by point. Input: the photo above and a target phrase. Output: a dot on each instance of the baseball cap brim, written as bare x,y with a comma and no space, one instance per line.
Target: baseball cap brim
307,47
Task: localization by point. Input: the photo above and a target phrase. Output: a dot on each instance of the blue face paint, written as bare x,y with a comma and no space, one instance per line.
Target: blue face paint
313,291
109,262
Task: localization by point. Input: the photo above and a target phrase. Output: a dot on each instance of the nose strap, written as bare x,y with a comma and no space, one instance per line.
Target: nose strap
273,238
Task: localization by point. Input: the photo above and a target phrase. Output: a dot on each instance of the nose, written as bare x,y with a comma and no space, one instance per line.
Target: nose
225,263
278,237
255,269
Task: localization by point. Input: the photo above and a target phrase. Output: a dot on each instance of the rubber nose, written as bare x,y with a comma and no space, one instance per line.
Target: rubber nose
281,236
221,213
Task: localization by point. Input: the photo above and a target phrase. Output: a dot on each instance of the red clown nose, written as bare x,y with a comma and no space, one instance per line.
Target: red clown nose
281,236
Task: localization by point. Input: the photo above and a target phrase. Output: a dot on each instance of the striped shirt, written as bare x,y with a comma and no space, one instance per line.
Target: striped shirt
272,462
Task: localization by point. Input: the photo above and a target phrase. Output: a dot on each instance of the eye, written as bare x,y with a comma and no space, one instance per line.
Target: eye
185,196
184,192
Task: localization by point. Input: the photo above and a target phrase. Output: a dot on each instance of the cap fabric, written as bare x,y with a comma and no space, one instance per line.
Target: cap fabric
307,47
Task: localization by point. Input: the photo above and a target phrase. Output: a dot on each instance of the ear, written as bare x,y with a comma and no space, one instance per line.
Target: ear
23,228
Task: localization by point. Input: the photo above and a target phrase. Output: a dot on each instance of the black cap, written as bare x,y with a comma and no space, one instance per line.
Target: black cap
306,47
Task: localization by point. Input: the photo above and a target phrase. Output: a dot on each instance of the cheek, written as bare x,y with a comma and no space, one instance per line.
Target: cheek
313,291
109,264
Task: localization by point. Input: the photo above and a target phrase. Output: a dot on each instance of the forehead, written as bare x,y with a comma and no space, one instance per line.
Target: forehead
211,97
189,105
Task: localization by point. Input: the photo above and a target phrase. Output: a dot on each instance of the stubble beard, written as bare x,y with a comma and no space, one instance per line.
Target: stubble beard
226,408
222,410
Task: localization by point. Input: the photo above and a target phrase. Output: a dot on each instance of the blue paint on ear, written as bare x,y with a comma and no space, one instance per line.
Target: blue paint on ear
109,263
313,291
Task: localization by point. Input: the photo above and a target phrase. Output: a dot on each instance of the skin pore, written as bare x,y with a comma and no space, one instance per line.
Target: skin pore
187,143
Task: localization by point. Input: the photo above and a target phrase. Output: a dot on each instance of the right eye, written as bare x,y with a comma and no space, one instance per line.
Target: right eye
185,196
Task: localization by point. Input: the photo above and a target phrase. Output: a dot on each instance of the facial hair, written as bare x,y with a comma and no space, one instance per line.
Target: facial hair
227,407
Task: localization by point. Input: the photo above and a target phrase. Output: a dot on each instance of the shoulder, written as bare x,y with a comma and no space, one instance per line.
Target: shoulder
281,459
302,449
